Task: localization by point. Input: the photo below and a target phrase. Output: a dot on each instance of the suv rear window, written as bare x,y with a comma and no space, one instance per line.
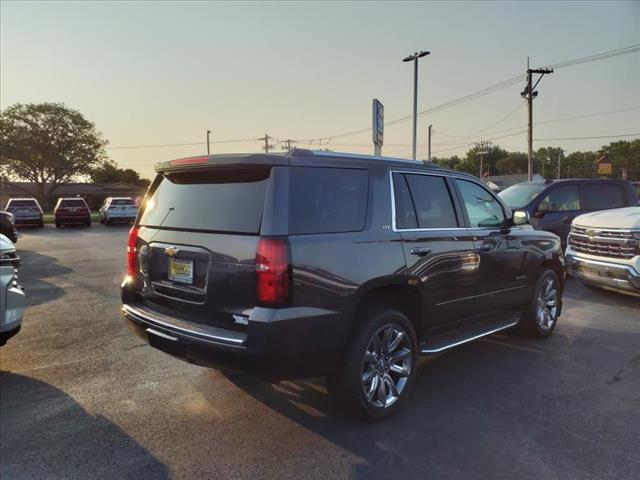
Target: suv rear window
221,199
327,200
122,201
602,196
72,203
22,203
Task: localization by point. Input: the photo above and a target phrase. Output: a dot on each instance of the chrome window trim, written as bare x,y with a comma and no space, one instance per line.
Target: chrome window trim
393,202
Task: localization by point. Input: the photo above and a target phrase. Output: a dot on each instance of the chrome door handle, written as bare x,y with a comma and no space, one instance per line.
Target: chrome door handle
420,251
484,247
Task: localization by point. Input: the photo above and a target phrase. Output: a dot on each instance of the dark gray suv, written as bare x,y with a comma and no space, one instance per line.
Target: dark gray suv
325,264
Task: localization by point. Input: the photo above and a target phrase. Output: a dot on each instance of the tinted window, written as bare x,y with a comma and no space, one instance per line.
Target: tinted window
517,196
482,208
22,203
433,204
221,199
121,201
72,203
405,212
563,199
602,196
325,200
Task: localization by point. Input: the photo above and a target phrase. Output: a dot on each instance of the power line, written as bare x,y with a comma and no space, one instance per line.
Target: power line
472,96
497,87
587,138
556,120
163,145
486,128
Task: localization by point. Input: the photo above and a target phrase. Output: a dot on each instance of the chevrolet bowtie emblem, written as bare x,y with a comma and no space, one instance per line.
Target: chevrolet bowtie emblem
171,251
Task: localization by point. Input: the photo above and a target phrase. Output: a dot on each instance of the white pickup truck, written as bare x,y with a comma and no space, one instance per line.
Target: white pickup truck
603,249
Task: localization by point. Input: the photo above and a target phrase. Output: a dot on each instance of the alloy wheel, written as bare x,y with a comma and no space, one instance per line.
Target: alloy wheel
386,366
547,305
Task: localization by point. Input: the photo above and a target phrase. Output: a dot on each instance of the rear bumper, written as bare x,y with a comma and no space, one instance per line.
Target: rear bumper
608,275
35,220
278,343
72,219
119,217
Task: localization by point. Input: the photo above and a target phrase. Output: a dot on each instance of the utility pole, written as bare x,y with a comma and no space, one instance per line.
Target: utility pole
265,139
288,144
529,93
429,144
483,150
208,143
414,58
559,157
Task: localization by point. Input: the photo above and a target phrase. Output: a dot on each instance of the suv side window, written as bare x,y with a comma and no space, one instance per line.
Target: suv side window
563,199
405,211
433,204
327,200
602,196
482,208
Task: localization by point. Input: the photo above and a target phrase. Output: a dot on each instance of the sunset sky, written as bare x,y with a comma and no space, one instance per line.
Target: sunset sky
157,73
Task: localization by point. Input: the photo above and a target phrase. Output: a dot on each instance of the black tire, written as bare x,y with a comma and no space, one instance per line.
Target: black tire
532,324
41,224
58,224
107,222
347,386
87,223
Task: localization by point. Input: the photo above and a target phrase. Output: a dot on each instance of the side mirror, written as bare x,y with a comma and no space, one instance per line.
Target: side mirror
520,217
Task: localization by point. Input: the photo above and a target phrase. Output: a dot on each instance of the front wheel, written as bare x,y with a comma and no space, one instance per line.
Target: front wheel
379,370
541,316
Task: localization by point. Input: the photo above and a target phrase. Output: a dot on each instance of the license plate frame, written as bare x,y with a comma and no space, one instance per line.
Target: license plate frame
180,270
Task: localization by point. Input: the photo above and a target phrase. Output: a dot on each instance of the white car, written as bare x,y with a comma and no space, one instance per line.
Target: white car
118,209
12,295
603,249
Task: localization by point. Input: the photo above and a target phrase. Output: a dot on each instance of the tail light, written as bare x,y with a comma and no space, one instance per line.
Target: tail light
132,269
272,272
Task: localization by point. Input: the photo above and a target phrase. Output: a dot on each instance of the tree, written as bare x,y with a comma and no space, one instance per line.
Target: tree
624,155
109,172
513,163
48,144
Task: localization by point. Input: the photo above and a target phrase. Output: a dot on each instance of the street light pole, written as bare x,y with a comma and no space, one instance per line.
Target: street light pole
208,143
414,58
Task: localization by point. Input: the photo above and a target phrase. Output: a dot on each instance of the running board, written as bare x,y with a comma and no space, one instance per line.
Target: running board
442,342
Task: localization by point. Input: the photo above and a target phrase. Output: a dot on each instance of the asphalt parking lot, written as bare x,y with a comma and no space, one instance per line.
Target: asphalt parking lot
81,397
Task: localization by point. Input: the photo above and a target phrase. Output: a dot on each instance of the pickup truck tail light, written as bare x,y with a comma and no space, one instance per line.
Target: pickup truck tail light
132,267
273,277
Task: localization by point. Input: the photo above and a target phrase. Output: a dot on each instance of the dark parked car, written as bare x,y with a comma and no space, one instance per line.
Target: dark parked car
553,205
26,211
8,227
72,210
345,266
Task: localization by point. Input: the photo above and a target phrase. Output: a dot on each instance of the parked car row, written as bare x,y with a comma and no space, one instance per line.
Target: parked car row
67,211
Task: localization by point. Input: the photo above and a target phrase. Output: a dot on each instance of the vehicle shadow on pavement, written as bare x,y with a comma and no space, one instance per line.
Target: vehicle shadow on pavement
580,292
34,268
47,434
470,409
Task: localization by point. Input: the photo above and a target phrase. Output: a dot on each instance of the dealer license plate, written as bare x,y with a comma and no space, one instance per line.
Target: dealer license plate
181,270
